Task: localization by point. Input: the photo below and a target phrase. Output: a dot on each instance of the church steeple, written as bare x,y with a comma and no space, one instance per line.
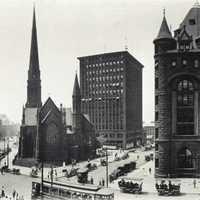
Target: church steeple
76,97
34,87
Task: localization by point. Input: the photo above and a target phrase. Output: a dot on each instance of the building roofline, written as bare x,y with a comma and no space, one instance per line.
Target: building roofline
111,53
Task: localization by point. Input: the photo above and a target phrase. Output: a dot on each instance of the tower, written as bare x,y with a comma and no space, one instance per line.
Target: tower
28,152
34,82
76,96
76,104
177,76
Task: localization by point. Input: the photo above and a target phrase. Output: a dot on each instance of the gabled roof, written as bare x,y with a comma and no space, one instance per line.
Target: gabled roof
49,103
192,21
164,32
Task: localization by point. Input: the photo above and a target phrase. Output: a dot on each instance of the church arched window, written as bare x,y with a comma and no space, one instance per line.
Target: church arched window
185,107
184,158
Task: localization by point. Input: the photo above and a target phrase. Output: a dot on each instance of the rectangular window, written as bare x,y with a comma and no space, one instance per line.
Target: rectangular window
156,147
156,116
156,163
156,133
156,83
192,21
156,100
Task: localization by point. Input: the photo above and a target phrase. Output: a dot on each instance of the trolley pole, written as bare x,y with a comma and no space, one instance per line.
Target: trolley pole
106,167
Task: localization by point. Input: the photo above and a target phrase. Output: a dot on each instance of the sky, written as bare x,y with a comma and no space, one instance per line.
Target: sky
68,29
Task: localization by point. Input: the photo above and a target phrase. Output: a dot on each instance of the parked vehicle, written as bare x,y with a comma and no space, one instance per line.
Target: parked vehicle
91,166
103,162
82,175
147,158
72,172
125,156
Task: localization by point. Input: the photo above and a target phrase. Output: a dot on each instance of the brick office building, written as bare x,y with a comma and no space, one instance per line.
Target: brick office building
177,102
111,94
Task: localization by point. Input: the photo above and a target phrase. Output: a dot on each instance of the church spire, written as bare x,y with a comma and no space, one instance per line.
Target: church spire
34,87
76,96
34,58
164,32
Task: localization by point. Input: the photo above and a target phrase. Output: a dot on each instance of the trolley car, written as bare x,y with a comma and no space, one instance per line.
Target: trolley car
67,190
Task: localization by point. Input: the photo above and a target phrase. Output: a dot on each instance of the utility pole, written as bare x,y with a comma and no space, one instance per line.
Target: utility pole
106,167
8,153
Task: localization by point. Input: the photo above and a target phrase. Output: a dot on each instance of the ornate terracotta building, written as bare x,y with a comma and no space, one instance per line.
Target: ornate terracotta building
43,132
177,98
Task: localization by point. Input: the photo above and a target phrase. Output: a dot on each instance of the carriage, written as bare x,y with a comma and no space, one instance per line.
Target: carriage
131,185
82,175
168,187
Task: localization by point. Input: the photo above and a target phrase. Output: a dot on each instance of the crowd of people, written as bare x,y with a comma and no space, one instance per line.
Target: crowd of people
14,196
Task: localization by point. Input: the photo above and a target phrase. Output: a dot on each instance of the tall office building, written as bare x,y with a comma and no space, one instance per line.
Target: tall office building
111,94
177,105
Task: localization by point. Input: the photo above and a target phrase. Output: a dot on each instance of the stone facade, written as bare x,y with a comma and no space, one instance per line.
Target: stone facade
177,84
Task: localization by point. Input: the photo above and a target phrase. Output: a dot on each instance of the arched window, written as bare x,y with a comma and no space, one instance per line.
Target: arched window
184,158
185,108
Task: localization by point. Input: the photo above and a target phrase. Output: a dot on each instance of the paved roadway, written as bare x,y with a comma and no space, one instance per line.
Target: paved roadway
22,183
100,173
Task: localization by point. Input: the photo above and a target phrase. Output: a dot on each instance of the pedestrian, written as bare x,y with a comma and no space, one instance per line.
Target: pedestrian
14,193
99,182
92,181
2,192
150,170
194,183
103,182
138,157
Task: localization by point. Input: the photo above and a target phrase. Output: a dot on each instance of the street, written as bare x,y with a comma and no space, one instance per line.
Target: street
22,183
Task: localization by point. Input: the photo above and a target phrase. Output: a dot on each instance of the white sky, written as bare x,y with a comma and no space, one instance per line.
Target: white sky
68,29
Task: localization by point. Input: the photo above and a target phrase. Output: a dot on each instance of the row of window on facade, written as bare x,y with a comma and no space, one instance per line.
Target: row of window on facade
105,78
113,135
184,62
102,100
185,158
101,71
104,64
107,92
107,85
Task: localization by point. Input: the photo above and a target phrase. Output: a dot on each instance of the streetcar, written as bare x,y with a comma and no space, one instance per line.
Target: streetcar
68,190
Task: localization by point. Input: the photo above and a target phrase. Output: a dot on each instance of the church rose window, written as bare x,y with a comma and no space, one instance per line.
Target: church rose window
185,108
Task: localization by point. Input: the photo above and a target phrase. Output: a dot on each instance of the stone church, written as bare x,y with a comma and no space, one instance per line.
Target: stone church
44,135
177,98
